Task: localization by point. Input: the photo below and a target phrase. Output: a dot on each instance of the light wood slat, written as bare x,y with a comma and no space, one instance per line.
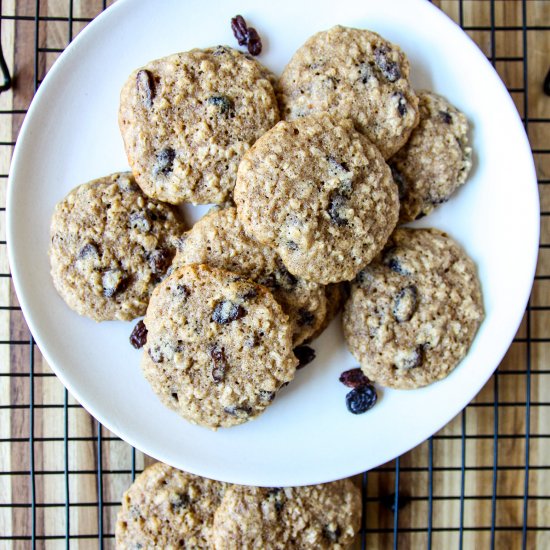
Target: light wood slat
7,516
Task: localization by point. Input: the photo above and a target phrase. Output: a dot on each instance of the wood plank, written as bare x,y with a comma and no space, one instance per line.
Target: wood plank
7,516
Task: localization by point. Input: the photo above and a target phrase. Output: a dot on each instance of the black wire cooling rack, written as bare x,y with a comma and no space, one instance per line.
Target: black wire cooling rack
482,482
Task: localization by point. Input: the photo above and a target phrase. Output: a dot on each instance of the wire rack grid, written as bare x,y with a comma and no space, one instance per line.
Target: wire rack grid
482,482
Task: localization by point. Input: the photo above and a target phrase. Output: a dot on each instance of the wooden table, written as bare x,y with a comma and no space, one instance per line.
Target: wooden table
79,471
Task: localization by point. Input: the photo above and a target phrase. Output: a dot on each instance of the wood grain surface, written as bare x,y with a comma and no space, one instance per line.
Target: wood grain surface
74,482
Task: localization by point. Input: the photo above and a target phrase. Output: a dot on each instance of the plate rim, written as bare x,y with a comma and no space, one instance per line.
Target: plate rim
110,423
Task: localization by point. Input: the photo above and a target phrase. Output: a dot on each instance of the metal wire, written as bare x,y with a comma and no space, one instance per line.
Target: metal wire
384,490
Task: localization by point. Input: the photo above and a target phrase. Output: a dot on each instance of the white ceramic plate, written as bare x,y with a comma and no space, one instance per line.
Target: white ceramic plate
70,135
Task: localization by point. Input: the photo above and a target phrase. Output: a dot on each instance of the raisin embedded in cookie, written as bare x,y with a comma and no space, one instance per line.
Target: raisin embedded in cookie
219,240
187,119
110,245
414,312
219,346
356,74
168,508
435,161
315,517
320,194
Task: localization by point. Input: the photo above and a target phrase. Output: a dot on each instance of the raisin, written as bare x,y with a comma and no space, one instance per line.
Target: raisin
160,260
306,318
239,412
291,245
354,378
223,103
249,294
394,265
254,42
183,291
175,396
336,206
138,338
240,29
156,355
341,171
165,161
226,311
438,200
409,359
405,304
392,504
446,117
220,50
363,277
392,260
181,500
220,364
138,220
360,400
390,69
400,182
278,495
251,341
305,355
267,396
113,281
401,104
88,251
332,535
246,36
146,88
337,167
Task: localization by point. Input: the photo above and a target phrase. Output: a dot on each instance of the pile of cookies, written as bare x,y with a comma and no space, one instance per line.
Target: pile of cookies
306,205
168,508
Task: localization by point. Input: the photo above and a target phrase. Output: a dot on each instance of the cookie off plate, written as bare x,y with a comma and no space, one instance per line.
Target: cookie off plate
71,135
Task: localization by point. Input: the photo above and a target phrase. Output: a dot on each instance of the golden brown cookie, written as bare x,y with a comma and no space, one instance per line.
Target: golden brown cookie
168,508
414,312
110,245
320,194
187,119
219,346
315,517
436,160
356,74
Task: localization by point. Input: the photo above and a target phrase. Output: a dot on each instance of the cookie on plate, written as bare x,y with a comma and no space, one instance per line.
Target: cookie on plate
320,194
219,346
168,508
356,74
187,119
315,517
218,239
414,312
110,245
435,161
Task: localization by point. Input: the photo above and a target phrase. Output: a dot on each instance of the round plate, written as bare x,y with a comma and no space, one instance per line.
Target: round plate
70,136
